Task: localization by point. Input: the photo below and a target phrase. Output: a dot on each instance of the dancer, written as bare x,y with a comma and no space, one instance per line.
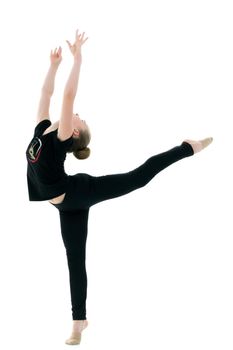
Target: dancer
73,195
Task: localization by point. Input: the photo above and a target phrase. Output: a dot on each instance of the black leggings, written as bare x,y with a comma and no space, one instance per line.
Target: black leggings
84,191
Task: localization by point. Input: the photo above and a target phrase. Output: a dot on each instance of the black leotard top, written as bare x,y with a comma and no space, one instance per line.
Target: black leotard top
46,176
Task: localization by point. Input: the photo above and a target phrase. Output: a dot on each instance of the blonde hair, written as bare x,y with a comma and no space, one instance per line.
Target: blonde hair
79,147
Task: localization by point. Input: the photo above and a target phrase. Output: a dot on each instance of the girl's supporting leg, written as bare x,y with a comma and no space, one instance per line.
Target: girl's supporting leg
74,235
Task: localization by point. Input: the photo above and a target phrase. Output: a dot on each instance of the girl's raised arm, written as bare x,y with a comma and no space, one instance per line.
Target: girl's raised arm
65,129
48,86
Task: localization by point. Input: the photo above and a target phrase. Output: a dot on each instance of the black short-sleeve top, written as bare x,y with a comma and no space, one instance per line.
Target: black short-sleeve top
46,154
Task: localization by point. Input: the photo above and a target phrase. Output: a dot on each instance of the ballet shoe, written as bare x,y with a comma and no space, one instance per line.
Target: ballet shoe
75,337
199,145
75,340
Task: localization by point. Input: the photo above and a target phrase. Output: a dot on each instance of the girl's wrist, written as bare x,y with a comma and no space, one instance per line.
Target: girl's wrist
54,66
78,57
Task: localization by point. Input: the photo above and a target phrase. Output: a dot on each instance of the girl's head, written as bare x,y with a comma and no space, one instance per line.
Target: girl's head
81,138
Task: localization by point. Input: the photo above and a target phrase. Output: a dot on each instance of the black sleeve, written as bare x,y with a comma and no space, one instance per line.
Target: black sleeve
41,127
63,146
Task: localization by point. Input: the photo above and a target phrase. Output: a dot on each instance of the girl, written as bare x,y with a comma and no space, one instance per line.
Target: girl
74,195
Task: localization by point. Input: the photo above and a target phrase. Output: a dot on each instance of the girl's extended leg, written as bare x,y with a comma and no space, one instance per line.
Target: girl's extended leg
112,186
85,190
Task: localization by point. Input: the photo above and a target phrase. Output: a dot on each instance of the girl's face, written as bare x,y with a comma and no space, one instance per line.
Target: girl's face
78,124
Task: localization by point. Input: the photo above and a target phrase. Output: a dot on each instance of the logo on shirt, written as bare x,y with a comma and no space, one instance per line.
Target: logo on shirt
34,150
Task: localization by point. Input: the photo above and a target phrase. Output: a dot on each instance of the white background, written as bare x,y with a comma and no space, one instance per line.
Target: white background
159,260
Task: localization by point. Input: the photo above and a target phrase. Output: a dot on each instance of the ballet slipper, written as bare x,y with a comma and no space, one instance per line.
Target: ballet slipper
75,337
199,145
74,340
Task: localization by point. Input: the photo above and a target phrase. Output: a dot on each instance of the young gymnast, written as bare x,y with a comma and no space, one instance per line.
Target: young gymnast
73,195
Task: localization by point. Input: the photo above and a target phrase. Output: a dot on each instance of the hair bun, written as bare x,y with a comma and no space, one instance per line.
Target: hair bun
82,153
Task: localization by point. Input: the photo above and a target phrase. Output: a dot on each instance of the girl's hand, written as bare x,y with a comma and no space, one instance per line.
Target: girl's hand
55,57
76,47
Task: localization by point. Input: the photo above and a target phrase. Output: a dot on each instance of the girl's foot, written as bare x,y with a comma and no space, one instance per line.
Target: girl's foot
199,145
78,327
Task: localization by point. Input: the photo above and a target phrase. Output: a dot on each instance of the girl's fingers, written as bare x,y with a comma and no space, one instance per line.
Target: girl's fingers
80,38
68,43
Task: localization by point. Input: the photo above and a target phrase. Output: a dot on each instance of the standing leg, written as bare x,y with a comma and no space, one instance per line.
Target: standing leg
74,234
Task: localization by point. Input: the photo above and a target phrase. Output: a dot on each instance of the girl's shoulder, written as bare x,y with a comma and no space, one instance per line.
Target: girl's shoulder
51,128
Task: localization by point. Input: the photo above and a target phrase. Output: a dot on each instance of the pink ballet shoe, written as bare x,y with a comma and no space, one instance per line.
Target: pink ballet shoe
199,145
76,336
